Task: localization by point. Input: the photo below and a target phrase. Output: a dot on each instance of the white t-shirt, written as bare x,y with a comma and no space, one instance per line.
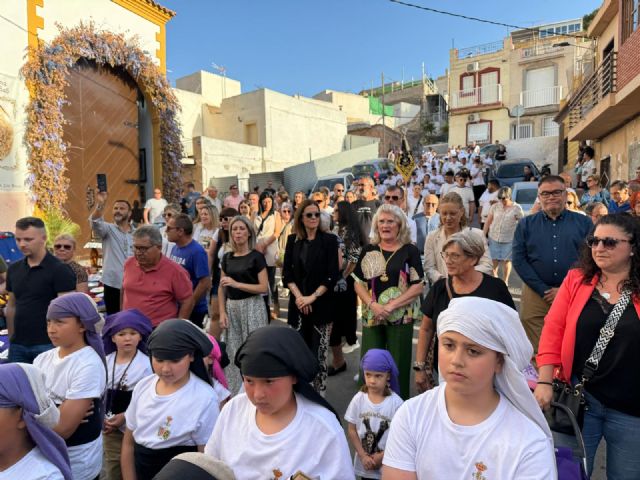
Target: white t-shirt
466,194
485,201
446,188
313,443
204,236
74,377
33,466
507,445
477,175
221,392
372,423
587,169
156,207
185,417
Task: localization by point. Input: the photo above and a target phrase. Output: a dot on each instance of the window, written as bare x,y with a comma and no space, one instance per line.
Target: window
479,132
549,127
540,87
526,131
630,17
467,83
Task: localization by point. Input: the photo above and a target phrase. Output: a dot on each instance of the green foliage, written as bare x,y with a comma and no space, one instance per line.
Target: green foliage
588,18
57,223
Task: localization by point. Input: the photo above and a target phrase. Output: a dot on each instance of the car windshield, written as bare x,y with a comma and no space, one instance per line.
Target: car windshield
329,183
526,196
363,170
511,171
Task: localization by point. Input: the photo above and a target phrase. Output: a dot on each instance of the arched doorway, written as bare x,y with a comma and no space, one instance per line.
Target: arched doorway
102,130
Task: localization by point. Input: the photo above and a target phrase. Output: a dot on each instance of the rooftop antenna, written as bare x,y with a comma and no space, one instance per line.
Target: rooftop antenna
223,71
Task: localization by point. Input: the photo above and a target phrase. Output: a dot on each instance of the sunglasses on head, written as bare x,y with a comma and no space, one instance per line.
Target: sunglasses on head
607,242
395,198
60,246
312,215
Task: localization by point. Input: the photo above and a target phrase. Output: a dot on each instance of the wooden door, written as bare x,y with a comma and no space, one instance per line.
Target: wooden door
102,116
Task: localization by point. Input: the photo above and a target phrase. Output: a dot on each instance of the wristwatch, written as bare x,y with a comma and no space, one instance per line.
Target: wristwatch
419,366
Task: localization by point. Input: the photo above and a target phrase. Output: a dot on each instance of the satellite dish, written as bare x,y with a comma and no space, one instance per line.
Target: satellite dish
517,111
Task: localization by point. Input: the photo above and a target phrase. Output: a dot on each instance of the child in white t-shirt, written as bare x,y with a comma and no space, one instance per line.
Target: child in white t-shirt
173,411
215,368
125,338
484,421
370,412
75,378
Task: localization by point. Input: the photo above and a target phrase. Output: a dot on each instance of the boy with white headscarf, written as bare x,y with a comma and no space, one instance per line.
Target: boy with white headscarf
484,418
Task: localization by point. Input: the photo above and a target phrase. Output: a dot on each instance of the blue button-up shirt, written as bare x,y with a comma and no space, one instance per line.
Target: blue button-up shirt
545,249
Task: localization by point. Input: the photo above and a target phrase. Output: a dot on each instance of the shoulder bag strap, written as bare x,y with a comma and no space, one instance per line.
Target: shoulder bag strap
446,282
417,205
606,334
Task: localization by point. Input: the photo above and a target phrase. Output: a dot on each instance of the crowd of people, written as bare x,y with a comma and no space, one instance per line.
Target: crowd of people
191,373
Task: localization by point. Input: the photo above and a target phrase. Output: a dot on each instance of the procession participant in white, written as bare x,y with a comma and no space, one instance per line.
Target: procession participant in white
484,418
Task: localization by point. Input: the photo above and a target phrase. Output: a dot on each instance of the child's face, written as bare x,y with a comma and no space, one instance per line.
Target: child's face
468,368
172,372
270,395
65,332
126,340
376,381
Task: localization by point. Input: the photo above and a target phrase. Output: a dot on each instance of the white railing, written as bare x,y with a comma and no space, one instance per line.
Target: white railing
541,97
483,49
540,49
472,97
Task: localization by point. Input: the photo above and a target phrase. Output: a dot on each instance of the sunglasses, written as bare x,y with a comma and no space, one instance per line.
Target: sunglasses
607,242
59,246
165,215
395,198
225,219
312,215
286,210
339,189
569,203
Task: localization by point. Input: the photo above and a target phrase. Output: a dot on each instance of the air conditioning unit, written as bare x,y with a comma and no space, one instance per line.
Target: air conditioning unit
473,67
474,117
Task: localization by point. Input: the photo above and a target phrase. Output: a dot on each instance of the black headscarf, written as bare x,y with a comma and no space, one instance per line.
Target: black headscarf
275,351
175,338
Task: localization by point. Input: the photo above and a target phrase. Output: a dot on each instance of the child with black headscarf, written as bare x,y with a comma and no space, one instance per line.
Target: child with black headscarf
173,411
281,425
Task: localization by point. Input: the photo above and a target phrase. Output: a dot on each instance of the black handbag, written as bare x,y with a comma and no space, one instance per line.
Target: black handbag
572,396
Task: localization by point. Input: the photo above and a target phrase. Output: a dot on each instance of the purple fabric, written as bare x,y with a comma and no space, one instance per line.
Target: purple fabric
130,318
81,306
16,391
379,360
569,467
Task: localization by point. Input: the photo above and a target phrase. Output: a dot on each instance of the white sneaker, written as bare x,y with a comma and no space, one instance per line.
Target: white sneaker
350,348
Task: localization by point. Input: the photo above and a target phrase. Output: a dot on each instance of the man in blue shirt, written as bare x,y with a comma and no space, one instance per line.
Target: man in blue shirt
545,246
190,199
190,254
619,197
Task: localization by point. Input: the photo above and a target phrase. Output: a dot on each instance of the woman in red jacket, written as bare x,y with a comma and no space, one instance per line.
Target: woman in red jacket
609,265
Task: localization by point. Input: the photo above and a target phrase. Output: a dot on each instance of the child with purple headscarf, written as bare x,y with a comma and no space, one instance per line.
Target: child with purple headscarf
75,379
370,412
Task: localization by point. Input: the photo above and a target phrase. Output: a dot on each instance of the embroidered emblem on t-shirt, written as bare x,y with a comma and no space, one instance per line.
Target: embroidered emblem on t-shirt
164,432
480,467
277,474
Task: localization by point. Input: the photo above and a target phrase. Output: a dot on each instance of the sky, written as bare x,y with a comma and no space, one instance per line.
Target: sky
304,46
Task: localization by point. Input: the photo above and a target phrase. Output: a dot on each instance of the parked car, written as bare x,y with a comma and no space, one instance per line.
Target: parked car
489,150
330,181
508,172
525,194
378,167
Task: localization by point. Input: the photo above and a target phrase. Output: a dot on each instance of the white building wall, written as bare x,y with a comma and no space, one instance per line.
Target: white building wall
213,88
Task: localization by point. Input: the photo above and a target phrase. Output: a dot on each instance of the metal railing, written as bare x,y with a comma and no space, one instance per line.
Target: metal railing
541,97
483,49
472,97
598,85
538,50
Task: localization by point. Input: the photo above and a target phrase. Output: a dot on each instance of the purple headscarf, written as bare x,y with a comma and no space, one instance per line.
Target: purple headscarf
379,360
81,306
22,385
130,318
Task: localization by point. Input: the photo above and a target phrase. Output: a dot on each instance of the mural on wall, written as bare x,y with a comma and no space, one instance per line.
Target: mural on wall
46,73
9,126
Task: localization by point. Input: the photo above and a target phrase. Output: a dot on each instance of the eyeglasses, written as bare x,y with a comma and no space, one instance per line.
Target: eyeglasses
225,219
431,204
569,202
168,214
395,198
312,215
142,248
607,242
552,193
285,210
339,189
454,257
60,246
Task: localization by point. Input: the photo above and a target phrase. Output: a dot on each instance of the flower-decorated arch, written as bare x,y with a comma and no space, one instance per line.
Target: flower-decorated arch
46,74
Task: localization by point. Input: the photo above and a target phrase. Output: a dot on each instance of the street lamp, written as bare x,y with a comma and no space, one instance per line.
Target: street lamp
567,44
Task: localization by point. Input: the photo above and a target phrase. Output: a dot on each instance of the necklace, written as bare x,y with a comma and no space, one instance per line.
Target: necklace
384,277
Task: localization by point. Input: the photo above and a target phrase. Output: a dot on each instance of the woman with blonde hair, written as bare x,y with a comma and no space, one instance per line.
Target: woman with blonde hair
205,230
573,204
64,248
594,192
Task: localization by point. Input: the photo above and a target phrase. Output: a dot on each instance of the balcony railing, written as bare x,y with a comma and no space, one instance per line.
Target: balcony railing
473,97
538,50
598,85
483,49
541,97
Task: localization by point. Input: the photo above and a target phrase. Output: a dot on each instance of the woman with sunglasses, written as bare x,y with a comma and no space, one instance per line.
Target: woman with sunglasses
310,271
573,204
171,210
268,224
608,271
594,192
64,248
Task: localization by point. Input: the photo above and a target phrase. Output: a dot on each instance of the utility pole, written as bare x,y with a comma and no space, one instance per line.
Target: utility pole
384,148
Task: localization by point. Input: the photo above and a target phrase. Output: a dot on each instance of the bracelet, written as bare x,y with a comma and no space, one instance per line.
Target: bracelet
545,383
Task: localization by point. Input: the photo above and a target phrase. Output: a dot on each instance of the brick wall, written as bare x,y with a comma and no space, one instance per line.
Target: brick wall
628,64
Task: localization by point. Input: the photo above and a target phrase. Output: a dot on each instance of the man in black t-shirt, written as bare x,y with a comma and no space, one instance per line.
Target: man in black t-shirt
32,283
366,207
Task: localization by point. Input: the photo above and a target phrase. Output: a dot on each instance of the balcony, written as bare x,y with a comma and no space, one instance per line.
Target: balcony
477,97
541,97
484,49
538,51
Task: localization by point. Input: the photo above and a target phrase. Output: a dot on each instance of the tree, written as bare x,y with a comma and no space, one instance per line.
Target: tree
588,18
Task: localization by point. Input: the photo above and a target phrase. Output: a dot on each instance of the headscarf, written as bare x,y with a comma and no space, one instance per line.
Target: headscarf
216,367
23,385
175,338
130,318
379,360
81,306
278,351
195,466
497,327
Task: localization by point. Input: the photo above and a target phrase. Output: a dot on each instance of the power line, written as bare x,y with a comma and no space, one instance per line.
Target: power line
476,19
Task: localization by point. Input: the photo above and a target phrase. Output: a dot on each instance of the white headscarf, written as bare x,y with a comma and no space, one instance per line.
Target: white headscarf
497,327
